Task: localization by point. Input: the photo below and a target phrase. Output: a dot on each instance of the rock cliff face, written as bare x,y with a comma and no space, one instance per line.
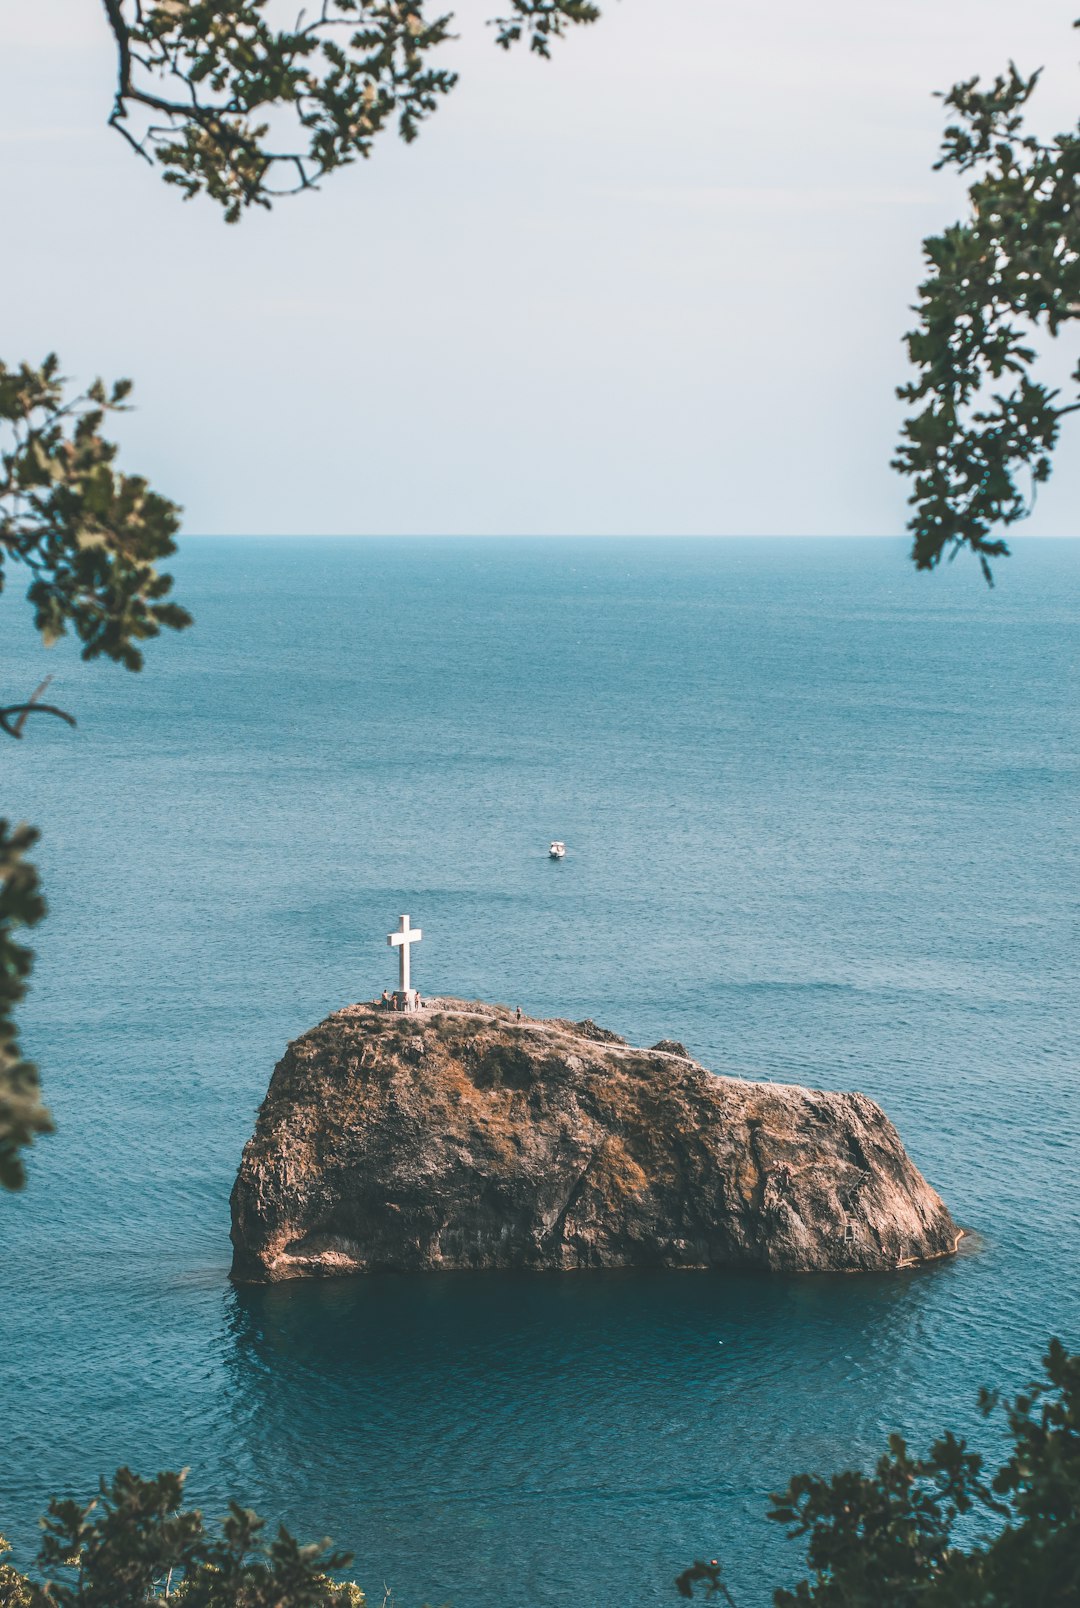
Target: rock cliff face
461,1138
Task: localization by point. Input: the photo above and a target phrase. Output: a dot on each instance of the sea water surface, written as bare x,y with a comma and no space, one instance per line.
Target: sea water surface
822,820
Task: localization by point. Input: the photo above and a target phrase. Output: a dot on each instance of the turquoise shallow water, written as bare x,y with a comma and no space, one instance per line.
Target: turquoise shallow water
822,817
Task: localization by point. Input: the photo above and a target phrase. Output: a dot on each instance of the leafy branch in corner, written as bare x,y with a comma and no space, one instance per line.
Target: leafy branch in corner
90,539
1009,272
940,1531
90,536
137,1543
215,84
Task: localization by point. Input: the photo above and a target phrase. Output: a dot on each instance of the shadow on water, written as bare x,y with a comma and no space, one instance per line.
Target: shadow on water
467,1418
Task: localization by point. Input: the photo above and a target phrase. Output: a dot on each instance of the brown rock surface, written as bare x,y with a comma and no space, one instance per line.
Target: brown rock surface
459,1137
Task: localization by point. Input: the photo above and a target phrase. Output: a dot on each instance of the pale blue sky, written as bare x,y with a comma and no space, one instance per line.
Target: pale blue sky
655,285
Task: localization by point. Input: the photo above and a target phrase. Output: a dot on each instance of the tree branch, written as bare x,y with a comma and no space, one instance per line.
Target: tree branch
33,706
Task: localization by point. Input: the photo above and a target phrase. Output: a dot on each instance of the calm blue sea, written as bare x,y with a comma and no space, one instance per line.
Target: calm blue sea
822,818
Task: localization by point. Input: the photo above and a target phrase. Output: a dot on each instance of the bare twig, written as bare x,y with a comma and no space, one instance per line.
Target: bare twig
32,706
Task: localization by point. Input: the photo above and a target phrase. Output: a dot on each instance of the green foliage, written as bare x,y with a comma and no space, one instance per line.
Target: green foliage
90,538
217,83
22,1114
138,1543
541,21
15,1590
890,1537
89,535
1008,272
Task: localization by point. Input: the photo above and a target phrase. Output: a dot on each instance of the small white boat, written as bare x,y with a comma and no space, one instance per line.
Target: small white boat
557,850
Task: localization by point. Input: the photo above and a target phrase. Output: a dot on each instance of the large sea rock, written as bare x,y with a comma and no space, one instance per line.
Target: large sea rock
460,1137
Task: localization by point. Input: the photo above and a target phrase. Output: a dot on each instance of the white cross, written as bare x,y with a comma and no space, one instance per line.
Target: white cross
401,940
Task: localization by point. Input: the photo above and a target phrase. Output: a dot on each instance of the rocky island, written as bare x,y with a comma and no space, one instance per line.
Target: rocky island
459,1136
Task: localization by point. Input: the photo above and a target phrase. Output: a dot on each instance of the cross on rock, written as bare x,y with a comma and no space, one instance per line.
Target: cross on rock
402,940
